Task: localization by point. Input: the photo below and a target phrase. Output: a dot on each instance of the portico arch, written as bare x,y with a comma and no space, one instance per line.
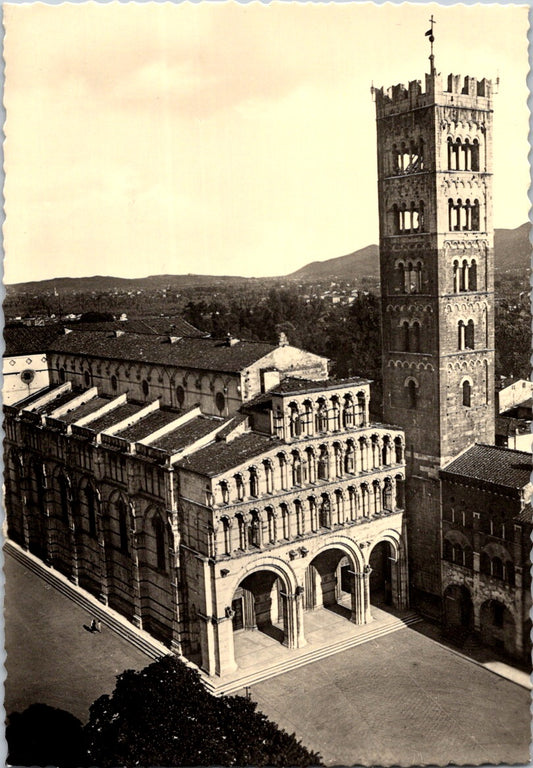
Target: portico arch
388,572
335,573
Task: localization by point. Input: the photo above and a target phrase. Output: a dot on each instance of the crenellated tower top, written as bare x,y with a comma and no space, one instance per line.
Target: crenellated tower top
459,92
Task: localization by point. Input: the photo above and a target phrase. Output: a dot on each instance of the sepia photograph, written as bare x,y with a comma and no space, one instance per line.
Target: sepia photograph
266,384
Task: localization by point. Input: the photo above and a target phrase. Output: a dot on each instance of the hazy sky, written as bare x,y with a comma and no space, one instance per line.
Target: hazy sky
225,138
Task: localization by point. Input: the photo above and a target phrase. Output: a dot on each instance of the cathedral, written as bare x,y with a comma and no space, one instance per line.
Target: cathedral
204,488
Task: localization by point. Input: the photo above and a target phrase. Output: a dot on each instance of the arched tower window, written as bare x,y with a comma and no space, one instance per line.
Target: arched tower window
406,337
456,280
412,393
416,336
472,276
469,335
467,393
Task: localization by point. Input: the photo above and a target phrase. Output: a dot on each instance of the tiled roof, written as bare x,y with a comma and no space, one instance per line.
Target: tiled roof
186,434
154,421
84,410
51,405
292,385
196,353
492,465
170,326
114,417
173,326
220,457
29,340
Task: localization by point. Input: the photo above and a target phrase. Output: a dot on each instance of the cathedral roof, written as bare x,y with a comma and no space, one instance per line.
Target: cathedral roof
492,465
220,457
195,353
186,434
28,340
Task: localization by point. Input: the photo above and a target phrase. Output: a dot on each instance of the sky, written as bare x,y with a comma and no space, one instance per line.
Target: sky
221,138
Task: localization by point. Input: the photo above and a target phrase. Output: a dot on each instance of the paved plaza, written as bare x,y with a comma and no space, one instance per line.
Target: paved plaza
400,699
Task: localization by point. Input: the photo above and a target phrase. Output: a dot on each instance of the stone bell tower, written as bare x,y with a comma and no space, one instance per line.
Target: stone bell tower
434,146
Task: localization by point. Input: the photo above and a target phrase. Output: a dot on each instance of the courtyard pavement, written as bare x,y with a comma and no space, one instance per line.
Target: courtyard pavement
401,699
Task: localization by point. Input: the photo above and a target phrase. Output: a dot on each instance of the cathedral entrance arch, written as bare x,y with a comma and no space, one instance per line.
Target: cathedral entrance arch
332,582
257,604
381,562
497,626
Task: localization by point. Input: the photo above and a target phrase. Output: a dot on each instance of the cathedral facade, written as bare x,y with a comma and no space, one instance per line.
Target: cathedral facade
265,496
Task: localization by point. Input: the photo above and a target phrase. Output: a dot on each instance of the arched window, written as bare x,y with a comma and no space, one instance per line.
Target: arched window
324,512
224,489
254,482
285,520
313,513
497,568
354,502
412,393
114,383
87,378
416,336
456,277
464,275
294,421
269,476
335,413
227,535
62,376
349,458
271,519
296,469
364,499
239,485
220,402
472,276
348,412
469,335
145,388
278,423
298,513
180,395
323,464
322,416
307,420
461,335
509,573
387,495
242,532
467,393
475,216
405,337
282,471
254,530
159,535
401,278
361,409
339,507
398,450
475,155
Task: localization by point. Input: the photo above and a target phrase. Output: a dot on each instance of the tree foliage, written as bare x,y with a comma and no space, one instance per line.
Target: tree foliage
163,715
44,735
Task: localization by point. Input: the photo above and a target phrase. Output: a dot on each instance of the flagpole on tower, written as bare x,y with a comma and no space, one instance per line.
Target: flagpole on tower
429,34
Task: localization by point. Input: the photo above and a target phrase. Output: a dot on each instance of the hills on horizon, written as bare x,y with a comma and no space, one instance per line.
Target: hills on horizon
512,250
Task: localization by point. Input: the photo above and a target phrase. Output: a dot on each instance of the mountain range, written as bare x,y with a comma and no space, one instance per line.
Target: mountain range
512,251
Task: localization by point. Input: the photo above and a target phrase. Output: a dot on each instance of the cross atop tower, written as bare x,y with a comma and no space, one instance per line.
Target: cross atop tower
429,34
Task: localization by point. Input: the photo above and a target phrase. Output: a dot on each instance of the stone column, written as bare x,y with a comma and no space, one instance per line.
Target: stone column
367,570
225,655
207,644
358,614
293,619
